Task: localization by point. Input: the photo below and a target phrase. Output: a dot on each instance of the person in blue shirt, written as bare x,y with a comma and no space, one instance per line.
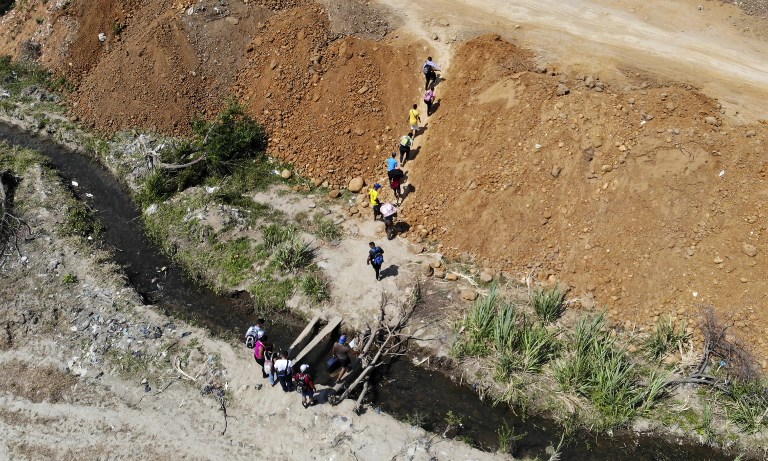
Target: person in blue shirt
375,258
392,162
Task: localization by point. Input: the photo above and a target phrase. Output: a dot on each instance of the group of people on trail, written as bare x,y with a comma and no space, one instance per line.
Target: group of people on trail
277,367
386,211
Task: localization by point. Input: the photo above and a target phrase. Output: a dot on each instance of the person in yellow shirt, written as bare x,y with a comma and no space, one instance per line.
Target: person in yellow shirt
414,119
373,194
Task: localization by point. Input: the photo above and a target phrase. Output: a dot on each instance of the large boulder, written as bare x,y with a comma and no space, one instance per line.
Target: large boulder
356,185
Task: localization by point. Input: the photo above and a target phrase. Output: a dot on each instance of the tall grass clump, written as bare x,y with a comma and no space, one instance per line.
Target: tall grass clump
664,339
478,327
293,255
548,304
316,287
276,234
600,370
326,229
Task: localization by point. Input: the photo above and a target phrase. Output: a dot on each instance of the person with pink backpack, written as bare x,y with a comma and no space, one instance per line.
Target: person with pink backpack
429,98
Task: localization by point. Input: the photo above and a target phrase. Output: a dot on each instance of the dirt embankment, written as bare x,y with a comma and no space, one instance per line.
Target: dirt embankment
640,196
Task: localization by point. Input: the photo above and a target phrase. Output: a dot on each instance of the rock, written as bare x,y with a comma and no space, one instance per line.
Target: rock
751,133
468,294
379,227
426,269
362,90
632,349
317,182
712,121
232,20
606,168
356,184
334,193
749,250
562,90
359,132
556,171
435,264
486,277
451,276
439,273
416,249
53,264
286,174
541,69
718,260
152,209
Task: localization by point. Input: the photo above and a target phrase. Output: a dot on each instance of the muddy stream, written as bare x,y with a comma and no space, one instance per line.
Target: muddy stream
404,390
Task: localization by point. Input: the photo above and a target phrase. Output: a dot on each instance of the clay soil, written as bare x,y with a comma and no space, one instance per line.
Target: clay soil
643,189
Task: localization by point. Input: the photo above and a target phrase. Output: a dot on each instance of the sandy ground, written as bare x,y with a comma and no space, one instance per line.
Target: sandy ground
674,39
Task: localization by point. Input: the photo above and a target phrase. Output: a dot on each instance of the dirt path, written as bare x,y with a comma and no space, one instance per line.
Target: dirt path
712,47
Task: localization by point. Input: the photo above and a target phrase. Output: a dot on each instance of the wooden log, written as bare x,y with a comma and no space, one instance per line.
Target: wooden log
359,403
304,333
332,324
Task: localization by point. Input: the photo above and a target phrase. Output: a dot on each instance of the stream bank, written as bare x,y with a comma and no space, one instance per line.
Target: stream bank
404,390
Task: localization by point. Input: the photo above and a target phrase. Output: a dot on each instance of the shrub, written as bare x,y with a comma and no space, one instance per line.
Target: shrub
548,304
81,220
326,229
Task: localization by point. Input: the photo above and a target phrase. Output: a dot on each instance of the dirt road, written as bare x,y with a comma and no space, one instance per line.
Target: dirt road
710,45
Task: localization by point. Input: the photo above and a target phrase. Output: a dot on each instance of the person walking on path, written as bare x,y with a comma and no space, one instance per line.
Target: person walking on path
414,118
405,147
375,258
392,162
429,98
344,353
269,364
283,370
254,332
429,69
306,386
373,195
258,353
395,181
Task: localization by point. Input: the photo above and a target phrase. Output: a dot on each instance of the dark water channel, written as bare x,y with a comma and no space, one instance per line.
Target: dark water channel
403,390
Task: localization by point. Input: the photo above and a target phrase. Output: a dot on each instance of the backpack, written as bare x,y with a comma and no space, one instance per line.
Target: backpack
250,341
378,256
427,68
301,382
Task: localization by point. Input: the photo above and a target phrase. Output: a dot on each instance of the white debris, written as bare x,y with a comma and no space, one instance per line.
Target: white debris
74,183
102,37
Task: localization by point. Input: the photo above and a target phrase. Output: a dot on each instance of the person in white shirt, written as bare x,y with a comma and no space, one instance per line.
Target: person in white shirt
429,69
284,373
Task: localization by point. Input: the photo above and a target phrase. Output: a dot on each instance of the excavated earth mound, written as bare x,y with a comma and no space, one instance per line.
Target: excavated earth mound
641,197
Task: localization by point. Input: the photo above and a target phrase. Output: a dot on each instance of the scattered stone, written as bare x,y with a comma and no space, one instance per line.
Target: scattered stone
439,273
606,168
426,269
486,277
317,182
562,90
451,276
749,250
541,69
286,174
359,132
334,193
362,90
556,171
356,184
415,248
712,121
468,294
718,260
232,20
435,264
751,133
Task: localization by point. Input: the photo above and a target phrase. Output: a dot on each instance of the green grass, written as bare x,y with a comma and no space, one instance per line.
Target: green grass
664,339
326,229
548,304
293,255
508,438
69,279
600,370
82,221
748,406
269,295
274,235
316,287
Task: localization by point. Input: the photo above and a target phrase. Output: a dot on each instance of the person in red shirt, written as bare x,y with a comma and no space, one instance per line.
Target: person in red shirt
306,386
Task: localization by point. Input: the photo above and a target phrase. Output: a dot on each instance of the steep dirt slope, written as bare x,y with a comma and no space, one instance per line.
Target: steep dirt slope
334,107
630,196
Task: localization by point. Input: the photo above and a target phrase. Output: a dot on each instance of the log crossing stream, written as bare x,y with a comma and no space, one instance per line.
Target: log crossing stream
403,389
